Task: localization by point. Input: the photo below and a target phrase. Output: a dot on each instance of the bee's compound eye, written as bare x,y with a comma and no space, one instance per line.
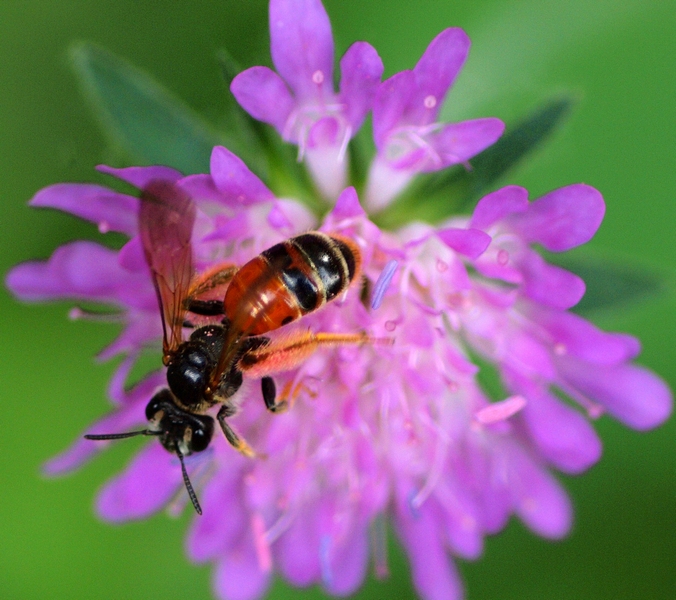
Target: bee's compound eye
158,403
201,434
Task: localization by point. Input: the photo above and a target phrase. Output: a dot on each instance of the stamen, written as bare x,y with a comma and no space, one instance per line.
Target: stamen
104,227
383,283
261,543
430,101
503,257
318,77
324,559
500,411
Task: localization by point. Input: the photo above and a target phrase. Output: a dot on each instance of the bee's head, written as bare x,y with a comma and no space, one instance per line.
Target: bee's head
180,432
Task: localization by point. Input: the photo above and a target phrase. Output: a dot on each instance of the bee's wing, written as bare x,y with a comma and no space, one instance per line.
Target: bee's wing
166,219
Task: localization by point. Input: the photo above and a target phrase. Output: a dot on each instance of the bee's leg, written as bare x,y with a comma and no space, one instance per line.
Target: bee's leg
281,403
269,394
288,352
217,277
237,442
205,308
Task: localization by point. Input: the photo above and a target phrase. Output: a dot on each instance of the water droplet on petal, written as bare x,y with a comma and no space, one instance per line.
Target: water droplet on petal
441,266
560,349
430,101
390,326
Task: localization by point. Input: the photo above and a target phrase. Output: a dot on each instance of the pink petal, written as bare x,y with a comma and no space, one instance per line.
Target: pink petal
361,69
297,552
539,500
469,242
224,521
81,271
235,181
575,336
238,574
201,188
139,177
632,394
549,284
458,142
148,483
301,45
110,210
434,576
347,206
499,204
345,566
564,218
562,435
435,73
264,95
127,418
389,105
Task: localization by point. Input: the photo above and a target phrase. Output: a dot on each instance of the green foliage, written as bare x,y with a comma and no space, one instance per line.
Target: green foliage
611,284
142,117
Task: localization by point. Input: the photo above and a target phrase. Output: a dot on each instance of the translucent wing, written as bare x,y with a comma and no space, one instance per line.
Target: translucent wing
166,219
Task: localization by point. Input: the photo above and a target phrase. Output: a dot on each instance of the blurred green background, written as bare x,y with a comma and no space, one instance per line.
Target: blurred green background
618,56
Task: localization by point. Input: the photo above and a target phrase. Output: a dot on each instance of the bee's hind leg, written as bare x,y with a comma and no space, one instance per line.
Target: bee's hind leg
235,440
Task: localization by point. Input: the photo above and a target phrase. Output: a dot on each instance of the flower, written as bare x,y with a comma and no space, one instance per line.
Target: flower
404,433
408,138
310,114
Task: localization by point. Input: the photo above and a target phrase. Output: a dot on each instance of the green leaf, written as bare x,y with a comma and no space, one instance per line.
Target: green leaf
148,122
434,197
611,284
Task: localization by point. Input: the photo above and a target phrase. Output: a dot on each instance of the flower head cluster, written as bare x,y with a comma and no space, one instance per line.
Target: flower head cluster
403,432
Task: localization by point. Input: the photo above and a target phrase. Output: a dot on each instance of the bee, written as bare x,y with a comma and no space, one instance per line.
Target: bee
281,285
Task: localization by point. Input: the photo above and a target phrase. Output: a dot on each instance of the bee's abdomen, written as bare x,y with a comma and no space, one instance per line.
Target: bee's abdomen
289,280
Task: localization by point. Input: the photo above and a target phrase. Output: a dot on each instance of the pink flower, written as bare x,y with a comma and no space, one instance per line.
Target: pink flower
408,137
300,102
401,433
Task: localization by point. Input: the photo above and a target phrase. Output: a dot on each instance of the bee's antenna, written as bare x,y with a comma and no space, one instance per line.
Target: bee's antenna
188,485
120,436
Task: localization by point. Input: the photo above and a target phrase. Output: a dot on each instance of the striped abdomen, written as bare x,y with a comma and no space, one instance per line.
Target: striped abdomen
290,280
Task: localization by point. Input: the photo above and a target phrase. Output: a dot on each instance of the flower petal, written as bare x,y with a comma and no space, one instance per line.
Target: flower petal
458,142
301,45
391,100
110,210
238,573
562,219
235,181
499,204
549,284
469,242
124,419
264,95
562,435
575,336
632,394
148,483
361,69
81,271
434,576
139,177
435,73
346,565
538,498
